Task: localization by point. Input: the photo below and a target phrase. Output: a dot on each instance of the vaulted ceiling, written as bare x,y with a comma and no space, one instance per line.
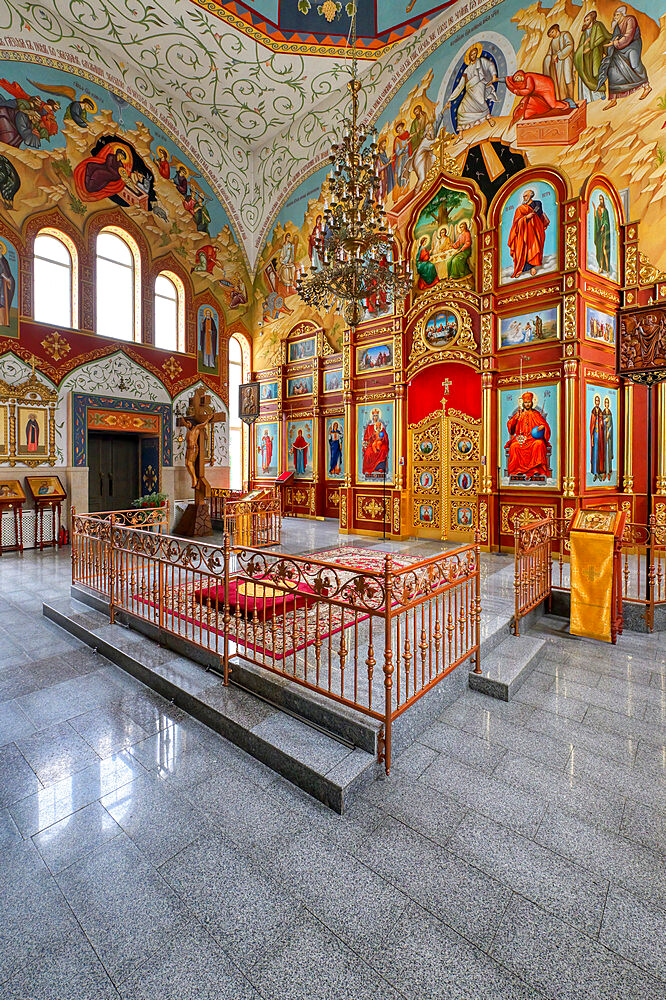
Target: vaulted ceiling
256,120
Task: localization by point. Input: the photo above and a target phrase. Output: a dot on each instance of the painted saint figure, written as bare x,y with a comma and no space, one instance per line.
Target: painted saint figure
607,416
32,433
537,96
315,242
528,235
208,339
375,447
7,286
622,67
473,97
457,264
386,175
558,63
597,442
529,434
588,55
300,452
425,268
266,451
402,150
335,450
602,236
101,176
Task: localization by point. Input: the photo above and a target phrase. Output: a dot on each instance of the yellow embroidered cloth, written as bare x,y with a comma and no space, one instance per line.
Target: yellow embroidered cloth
591,584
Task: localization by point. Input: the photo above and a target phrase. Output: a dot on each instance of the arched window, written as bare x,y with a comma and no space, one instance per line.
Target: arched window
55,270
235,424
118,285
169,312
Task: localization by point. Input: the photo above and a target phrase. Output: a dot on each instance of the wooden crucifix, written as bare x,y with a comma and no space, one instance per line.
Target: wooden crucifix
199,419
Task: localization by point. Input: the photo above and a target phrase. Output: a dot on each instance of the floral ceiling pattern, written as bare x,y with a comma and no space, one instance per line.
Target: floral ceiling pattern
255,121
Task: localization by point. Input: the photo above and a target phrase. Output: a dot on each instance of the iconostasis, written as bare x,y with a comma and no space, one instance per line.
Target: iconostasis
491,396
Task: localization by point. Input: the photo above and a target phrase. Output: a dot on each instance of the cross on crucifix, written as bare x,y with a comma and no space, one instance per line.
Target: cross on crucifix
199,416
446,385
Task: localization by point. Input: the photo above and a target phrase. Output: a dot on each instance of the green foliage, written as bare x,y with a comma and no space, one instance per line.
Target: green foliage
77,205
660,155
661,103
151,500
63,166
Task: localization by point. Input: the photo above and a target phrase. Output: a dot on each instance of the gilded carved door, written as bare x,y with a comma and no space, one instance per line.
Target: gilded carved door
444,473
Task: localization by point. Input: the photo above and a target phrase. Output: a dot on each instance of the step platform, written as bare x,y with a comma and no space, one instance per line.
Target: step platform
327,749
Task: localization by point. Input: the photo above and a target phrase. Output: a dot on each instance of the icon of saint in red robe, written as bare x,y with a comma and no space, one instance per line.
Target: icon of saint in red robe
528,235
106,174
266,449
375,448
529,434
299,451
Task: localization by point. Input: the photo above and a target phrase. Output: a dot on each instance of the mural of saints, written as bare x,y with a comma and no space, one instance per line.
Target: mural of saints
529,434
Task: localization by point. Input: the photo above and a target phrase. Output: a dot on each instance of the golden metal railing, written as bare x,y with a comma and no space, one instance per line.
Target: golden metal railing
323,626
217,498
253,523
542,565
90,540
533,566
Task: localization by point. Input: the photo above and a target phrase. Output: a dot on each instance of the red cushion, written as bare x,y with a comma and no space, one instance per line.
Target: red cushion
252,598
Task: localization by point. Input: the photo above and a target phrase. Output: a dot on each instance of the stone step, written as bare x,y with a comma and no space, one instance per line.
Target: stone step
327,767
508,666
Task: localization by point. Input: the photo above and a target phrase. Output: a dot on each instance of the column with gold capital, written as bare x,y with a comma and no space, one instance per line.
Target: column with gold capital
661,440
628,477
570,426
487,431
346,499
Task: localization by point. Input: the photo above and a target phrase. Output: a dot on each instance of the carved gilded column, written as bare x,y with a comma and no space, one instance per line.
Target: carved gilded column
628,479
570,427
661,440
487,431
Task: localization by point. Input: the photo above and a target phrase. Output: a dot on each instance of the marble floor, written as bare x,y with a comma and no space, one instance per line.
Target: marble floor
516,851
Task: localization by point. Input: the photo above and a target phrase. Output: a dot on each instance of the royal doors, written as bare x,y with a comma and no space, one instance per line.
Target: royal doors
444,453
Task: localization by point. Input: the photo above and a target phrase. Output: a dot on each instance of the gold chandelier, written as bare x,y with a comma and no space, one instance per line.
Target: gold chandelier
356,247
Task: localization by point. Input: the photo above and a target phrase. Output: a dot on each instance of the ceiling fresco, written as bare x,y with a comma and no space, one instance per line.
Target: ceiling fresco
320,27
255,122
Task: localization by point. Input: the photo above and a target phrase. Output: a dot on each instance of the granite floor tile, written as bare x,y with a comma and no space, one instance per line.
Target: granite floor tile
426,960
70,969
312,962
62,798
636,930
424,809
440,882
469,747
562,888
622,725
123,905
619,779
242,905
562,791
14,723
629,703
412,762
567,965
63,701
35,917
644,826
651,757
605,854
191,965
107,730
56,752
17,778
522,740
75,836
9,832
581,736
473,790
160,822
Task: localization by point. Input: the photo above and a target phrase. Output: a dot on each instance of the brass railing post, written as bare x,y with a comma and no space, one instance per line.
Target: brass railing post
388,664
111,568
650,568
477,609
516,577
74,547
227,614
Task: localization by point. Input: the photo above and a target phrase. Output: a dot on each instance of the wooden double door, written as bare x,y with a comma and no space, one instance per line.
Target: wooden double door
444,475
113,470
